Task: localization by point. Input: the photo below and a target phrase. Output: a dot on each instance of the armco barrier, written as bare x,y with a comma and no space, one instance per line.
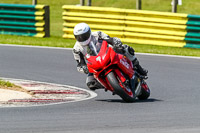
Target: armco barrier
25,20
136,26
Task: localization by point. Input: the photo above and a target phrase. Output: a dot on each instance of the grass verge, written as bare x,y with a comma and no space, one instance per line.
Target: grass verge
10,86
6,84
69,43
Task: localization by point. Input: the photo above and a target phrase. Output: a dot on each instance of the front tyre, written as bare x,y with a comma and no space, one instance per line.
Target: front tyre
119,88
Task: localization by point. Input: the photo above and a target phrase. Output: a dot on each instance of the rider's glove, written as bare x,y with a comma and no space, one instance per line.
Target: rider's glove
117,45
117,42
82,69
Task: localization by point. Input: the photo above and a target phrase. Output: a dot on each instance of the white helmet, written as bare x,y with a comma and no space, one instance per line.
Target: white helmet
82,33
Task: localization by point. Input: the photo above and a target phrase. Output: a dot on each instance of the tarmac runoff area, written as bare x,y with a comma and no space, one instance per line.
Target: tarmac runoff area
33,93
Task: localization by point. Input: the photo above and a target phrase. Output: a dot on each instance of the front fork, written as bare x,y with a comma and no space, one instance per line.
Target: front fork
135,82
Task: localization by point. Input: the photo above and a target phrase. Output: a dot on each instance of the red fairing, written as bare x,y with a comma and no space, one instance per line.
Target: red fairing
96,63
106,61
125,65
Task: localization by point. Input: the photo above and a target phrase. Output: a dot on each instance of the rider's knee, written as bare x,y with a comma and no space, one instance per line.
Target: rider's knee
129,52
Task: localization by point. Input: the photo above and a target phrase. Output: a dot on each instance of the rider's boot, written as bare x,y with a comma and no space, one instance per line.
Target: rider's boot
140,70
130,54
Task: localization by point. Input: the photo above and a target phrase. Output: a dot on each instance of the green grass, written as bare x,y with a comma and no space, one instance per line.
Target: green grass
53,41
56,40
166,50
6,84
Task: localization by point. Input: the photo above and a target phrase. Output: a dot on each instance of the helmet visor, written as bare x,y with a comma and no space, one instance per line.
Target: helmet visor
83,37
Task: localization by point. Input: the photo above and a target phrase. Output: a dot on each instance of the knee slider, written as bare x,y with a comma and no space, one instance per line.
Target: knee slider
92,85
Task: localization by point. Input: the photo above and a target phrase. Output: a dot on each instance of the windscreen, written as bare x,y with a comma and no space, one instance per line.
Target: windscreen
94,49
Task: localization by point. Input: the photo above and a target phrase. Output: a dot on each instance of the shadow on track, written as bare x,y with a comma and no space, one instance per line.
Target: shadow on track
136,101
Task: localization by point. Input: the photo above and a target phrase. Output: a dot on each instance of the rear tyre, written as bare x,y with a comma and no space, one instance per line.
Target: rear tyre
115,83
145,91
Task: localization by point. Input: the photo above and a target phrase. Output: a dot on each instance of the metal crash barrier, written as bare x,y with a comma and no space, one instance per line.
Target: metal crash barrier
136,26
24,20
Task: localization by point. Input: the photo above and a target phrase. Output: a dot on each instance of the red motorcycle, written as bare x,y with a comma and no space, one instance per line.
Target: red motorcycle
116,73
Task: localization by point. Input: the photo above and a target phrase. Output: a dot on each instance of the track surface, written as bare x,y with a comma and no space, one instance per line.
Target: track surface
174,105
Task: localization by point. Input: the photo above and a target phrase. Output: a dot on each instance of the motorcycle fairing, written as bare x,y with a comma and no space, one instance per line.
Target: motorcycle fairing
108,60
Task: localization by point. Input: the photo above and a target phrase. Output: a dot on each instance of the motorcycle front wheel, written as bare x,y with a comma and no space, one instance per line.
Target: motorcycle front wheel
119,89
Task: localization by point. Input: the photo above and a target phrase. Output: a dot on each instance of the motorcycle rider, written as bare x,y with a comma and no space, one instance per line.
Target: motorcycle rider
84,36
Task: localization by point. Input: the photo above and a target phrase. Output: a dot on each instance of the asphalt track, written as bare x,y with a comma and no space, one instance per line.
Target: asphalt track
173,107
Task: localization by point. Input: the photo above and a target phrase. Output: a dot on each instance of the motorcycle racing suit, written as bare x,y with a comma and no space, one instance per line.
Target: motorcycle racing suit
80,51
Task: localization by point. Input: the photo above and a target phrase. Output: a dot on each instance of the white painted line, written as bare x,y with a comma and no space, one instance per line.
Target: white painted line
30,46
148,54
165,55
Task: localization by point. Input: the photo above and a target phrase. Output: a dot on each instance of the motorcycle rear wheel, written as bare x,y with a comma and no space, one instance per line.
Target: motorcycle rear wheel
115,83
145,92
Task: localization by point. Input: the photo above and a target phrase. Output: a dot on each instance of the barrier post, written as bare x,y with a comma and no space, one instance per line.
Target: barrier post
138,4
174,6
82,2
34,2
89,3
47,21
